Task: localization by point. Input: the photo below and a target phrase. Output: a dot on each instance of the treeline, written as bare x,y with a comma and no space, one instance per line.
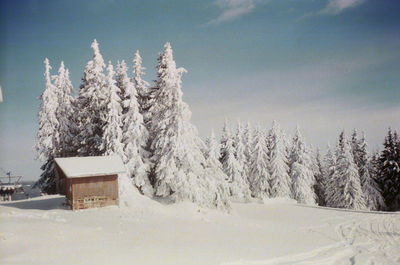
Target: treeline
267,164
149,127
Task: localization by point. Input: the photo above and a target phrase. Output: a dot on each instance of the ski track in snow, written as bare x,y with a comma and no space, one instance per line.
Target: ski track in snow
366,240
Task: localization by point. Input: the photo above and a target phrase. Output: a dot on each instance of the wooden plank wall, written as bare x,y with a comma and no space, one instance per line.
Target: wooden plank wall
97,191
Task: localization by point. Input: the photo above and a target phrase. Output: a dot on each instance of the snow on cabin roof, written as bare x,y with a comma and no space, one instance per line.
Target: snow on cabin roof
78,167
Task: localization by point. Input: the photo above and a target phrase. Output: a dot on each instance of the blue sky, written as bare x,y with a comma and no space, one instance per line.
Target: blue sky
325,65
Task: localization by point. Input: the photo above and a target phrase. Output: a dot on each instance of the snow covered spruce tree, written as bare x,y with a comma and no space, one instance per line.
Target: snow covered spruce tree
112,132
226,133
346,189
248,143
142,87
48,134
259,172
213,152
372,194
356,150
320,180
149,101
237,181
66,145
329,169
179,165
240,149
214,167
135,134
278,165
301,172
92,106
122,81
389,171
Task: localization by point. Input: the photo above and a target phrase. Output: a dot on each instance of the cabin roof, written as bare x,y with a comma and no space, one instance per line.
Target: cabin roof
91,166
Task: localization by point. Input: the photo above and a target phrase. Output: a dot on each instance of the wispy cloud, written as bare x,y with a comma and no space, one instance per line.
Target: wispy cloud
335,7
232,9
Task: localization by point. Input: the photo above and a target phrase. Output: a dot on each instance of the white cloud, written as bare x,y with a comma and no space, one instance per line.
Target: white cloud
335,7
232,9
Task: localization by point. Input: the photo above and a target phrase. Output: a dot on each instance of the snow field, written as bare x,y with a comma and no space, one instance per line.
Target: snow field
143,231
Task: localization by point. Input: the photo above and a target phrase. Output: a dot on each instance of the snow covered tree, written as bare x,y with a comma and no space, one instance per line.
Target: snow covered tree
248,143
356,150
67,129
374,165
340,145
179,165
214,167
320,180
135,134
258,170
142,87
240,150
226,133
150,99
329,169
301,171
372,194
213,151
112,134
122,82
91,104
389,171
347,192
238,184
48,135
278,166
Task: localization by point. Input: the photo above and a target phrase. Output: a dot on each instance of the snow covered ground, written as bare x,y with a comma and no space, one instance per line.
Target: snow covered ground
142,231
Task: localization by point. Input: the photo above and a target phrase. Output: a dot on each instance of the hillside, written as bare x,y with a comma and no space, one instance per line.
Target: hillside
142,231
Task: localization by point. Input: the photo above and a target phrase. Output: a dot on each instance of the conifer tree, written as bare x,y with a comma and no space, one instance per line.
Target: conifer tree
92,105
214,166
179,165
135,134
66,145
248,143
142,87
320,180
330,169
374,166
356,150
340,145
259,173
372,194
123,82
112,134
278,166
212,153
226,133
240,149
347,192
150,99
301,171
389,171
238,184
48,134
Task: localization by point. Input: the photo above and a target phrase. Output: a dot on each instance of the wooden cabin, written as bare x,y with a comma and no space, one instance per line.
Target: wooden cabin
89,182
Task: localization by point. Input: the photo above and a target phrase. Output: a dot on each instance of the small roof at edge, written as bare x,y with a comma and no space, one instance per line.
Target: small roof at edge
90,166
